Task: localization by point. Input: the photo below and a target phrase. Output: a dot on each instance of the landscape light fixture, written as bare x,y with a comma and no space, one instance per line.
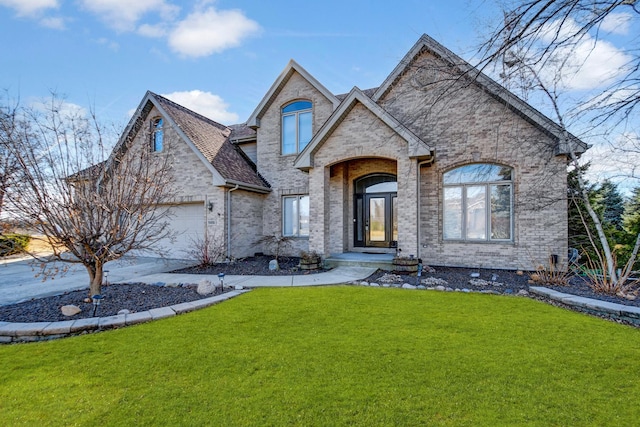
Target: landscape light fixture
221,277
96,302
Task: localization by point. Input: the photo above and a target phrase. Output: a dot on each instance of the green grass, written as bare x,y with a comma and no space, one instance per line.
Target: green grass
335,356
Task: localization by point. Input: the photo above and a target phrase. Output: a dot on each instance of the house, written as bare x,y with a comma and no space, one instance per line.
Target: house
439,162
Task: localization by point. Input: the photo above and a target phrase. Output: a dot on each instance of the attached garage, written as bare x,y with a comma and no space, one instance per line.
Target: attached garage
187,226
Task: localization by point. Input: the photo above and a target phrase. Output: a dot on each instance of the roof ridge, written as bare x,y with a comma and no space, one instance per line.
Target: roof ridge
191,112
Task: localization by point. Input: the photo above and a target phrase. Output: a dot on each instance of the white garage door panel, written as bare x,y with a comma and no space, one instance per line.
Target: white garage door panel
187,226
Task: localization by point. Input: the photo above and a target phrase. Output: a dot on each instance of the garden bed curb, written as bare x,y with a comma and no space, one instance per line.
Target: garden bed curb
42,331
626,313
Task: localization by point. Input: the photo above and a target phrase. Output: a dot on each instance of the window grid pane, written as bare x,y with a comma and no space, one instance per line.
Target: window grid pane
289,134
452,222
476,212
295,216
500,212
304,130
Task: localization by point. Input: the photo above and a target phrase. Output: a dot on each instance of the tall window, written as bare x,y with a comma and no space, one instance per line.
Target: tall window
296,126
157,135
478,203
295,216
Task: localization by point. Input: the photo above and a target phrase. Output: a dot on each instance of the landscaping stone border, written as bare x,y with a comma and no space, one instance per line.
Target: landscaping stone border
42,331
625,313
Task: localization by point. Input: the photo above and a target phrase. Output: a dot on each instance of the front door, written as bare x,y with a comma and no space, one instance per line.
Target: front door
375,212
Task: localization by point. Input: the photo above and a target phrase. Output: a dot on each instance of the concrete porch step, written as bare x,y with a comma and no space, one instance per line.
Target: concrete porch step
355,259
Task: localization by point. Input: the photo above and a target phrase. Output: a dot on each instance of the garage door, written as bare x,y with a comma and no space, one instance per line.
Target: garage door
187,226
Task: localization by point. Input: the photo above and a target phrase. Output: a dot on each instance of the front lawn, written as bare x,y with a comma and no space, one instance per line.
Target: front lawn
335,356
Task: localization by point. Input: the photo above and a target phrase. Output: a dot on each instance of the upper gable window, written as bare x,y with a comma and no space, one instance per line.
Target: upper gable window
157,135
478,203
296,126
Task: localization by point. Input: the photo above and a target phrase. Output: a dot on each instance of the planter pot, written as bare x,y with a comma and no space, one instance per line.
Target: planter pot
309,265
405,265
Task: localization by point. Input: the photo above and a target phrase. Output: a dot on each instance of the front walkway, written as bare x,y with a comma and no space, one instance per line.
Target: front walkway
331,277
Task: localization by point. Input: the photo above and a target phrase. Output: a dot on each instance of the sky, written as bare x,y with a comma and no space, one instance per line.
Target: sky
220,57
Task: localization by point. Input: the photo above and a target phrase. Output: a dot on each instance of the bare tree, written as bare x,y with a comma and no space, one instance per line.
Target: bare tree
9,133
93,204
542,30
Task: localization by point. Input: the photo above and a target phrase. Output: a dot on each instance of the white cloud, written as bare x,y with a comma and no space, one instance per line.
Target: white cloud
152,31
114,46
123,15
29,7
55,23
209,31
589,64
205,103
617,23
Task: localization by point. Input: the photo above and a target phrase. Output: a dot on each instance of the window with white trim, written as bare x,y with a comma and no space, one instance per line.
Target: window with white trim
478,203
296,126
157,135
295,216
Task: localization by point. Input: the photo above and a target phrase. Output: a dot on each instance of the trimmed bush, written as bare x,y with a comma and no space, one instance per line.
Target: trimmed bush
13,243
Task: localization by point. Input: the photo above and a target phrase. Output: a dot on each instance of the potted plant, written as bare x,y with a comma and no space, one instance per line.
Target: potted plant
310,260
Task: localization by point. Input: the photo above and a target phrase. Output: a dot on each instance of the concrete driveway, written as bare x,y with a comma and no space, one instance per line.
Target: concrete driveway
18,282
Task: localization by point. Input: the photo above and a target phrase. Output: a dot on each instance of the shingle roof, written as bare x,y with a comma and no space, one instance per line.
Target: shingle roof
212,140
368,92
242,132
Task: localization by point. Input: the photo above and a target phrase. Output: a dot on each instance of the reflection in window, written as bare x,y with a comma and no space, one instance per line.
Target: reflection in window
295,216
157,135
477,203
296,126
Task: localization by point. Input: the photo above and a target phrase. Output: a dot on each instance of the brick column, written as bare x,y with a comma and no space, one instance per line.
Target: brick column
407,206
319,205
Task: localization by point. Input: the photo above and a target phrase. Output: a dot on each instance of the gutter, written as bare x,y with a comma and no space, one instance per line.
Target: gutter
229,220
419,169
250,187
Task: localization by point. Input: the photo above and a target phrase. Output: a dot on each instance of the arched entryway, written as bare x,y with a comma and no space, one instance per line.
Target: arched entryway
376,211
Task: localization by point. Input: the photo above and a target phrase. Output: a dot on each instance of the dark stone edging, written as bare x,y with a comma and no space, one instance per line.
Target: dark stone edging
42,331
625,313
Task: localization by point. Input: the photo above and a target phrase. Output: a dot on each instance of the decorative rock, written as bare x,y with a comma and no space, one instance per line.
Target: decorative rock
489,291
457,290
375,285
87,300
440,288
273,265
465,290
385,285
390,278
448,289
523,293
172,285
159,284
239,287
434,281
475,275
508,291
519,272
408,286
124,311
364,283
205,287
70,310
422,287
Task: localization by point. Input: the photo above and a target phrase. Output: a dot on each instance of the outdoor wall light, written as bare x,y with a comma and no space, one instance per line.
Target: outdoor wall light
210,206
221,277
96,302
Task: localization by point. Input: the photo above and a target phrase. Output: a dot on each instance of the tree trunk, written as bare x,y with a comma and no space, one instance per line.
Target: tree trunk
95,278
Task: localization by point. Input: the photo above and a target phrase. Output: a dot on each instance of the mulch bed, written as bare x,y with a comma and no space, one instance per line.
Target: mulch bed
137,297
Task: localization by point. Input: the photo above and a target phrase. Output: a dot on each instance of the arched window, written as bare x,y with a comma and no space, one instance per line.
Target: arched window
296,126
157,135
477,203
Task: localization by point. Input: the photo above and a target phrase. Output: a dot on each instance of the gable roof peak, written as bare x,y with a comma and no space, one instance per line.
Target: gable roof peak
280,82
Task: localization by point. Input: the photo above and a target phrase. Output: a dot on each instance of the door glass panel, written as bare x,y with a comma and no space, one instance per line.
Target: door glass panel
359,217
394,214
377,232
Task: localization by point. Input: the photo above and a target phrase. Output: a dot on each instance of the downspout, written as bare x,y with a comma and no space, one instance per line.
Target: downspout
424,162
229,220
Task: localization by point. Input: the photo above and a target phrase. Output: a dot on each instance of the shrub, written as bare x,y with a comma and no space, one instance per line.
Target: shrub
13,243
